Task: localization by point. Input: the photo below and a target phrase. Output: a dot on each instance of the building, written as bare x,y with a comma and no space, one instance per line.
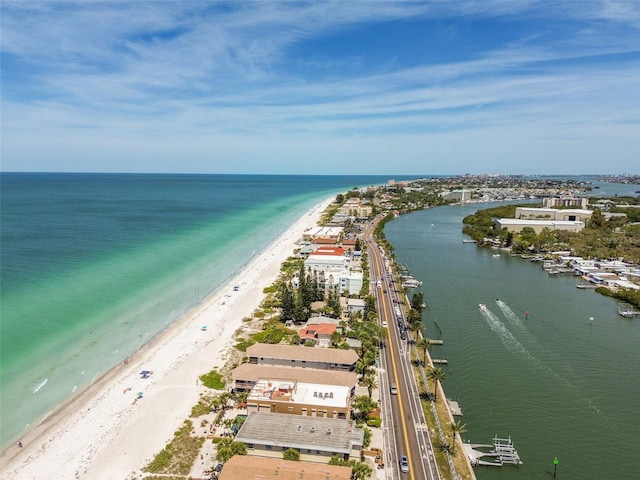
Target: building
353,207
317,439
461,196
299,398
327,259
298,356
565,215
579,202
246,375
318,333
349,244
538,219
516,225
356,305
244,467
349,281
322,232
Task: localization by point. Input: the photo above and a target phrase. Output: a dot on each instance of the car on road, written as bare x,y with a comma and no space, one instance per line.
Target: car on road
393,389
404,464
384,323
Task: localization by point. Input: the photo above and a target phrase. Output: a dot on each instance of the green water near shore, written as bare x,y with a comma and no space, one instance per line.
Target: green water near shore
563,383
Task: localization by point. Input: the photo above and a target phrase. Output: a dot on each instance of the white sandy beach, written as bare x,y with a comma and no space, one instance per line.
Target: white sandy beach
104,433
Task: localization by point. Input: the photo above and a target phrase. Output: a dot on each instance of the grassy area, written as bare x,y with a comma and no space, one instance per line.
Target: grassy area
458,459
178,456
213,379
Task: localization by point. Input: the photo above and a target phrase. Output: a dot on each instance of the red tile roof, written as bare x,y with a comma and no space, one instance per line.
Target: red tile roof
335,251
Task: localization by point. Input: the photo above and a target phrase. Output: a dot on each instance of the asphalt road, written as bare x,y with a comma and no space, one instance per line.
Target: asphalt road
404,425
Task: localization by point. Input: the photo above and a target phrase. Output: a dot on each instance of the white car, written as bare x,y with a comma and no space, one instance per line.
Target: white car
404,464
384,323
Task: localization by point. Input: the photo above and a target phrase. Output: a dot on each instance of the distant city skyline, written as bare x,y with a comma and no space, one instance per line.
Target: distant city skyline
270,87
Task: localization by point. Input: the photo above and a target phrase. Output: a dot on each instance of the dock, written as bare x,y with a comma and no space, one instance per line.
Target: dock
627,311
454,406
475,456
502,451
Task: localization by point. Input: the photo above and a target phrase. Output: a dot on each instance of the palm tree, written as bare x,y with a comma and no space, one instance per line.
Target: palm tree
425,344
362,367
459,428
437,375
370,382
364,406
415,321
443,447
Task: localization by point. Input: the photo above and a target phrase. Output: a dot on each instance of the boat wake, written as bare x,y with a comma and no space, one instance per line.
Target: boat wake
509,341
509,314
37,388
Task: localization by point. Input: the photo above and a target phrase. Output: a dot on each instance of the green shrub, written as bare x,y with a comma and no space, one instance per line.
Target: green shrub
213,379
374,422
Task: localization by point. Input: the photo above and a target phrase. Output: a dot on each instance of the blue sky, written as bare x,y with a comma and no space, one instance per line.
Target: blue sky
344,87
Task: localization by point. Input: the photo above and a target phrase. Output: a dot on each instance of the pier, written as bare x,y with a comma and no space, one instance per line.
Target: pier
627,311
502,451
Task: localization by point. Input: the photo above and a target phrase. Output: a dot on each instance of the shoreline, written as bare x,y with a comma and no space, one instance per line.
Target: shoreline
105,431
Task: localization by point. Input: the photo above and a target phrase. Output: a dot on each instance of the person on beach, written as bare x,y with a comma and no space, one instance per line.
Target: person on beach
20,444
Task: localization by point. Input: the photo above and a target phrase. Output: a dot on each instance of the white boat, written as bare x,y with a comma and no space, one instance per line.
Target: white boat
482,306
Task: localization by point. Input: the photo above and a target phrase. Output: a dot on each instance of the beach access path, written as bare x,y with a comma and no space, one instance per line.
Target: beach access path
106,432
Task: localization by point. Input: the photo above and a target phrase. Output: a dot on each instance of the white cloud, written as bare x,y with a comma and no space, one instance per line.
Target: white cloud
196,79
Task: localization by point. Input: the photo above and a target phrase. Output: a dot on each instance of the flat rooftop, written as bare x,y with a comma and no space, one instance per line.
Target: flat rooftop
310,354
296,431
243,467
330,396
251,372
523,221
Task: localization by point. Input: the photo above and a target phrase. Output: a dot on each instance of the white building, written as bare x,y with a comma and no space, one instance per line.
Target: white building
328,260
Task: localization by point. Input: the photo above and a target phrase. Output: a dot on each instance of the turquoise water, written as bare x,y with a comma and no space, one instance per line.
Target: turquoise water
94,266
563,382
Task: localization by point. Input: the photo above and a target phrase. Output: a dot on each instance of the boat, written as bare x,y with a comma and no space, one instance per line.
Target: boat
482,306
411,282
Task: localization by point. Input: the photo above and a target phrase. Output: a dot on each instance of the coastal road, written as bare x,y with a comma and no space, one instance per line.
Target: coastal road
405,431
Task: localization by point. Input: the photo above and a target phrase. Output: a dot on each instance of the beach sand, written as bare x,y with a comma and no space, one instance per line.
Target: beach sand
104,432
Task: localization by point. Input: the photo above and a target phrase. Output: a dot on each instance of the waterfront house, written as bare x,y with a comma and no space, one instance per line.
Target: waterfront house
299,398
299,356
246,375
316,438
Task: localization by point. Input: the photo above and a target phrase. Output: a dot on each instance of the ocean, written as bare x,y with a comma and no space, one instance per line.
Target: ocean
93,266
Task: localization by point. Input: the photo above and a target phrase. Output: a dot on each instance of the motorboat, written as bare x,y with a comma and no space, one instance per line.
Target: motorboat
482,306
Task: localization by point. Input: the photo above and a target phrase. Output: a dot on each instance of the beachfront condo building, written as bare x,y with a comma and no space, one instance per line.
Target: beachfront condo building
317,439
299,356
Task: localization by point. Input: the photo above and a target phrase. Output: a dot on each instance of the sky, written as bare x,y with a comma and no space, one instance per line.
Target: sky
321,87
